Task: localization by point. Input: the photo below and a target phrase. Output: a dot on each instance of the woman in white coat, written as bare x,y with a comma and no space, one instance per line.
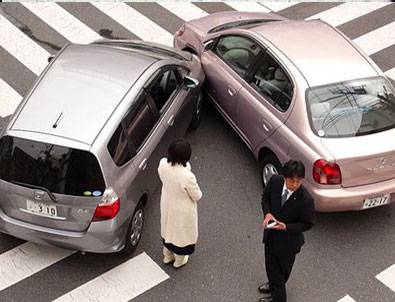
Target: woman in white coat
178,204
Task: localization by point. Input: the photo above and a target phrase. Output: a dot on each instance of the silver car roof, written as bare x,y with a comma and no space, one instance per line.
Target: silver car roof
80,91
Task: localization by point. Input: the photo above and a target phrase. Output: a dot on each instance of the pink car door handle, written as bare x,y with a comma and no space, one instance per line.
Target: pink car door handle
266,126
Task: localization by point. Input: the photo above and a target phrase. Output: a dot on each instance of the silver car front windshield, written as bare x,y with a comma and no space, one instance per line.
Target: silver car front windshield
352,108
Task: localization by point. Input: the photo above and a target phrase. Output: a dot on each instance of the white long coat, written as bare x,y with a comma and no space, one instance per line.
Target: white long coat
178,204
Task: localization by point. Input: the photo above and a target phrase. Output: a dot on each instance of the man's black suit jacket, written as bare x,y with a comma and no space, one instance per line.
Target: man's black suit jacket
297,213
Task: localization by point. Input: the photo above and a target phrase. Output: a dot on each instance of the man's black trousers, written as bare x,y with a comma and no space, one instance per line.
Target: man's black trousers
278,268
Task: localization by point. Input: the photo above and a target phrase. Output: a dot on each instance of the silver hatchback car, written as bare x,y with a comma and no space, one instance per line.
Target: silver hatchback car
78,158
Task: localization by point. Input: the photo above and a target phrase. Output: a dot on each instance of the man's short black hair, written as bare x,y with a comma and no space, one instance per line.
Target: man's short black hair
179,152
293,168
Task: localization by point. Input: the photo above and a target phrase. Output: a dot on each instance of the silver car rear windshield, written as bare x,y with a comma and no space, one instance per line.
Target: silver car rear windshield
353,108
59,169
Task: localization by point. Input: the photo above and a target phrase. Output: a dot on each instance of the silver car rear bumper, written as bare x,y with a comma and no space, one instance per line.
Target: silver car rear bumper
100,237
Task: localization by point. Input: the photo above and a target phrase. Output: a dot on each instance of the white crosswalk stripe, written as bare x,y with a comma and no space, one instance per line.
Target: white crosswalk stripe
387,277
248,6
378,39
348,11
121,284
346,299
391,73
22,47
63,22
135,22
26,260
9,99
186,11
276,6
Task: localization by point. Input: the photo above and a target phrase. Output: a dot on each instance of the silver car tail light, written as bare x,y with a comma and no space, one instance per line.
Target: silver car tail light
108,208
327,173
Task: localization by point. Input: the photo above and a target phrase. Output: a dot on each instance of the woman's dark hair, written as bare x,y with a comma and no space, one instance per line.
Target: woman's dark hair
293,168
179,152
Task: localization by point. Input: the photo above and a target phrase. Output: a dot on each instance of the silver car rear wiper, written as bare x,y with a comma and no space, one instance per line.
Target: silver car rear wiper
50,194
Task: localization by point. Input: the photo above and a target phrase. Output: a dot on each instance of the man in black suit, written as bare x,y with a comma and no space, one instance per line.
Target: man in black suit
288,212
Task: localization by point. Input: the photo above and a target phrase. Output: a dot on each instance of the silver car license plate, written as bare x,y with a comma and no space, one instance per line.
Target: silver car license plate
42,209
376,201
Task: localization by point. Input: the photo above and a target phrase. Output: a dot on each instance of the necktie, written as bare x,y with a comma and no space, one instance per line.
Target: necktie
284,197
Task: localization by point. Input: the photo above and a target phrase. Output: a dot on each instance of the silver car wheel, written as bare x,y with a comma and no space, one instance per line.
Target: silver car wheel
136,227
267,172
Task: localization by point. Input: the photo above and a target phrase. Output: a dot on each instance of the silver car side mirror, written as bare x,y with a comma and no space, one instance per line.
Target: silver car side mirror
190,82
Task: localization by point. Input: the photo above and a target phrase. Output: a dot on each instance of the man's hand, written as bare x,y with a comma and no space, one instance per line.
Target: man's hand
268,217
280,226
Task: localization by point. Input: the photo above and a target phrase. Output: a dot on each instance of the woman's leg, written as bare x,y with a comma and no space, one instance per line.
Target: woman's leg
180,260
168,256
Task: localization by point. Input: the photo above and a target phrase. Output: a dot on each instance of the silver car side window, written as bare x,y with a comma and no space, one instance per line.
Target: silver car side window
133,130
164,87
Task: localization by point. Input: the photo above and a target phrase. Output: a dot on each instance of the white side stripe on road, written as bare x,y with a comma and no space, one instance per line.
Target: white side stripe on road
247,6
9,99
29,53
276,6
346,299
186,11
388,277
137,23
121,284
377,39
391,73
348,11
63,22
26,260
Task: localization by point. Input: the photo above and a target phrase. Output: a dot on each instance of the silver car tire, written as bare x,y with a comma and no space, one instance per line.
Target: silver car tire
270,166
135,230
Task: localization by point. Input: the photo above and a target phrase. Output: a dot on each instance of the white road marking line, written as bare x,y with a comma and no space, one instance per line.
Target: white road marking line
9,99
346,299
26,260
22,47
247,6
122,283
63,22
388,276
186,10
348,11
135,22
377,39
276,6
391,73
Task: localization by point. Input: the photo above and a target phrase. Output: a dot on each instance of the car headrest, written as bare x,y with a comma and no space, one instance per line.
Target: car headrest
279,75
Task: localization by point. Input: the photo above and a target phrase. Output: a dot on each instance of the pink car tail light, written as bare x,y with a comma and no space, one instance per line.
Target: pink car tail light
109,206
327,173
180,31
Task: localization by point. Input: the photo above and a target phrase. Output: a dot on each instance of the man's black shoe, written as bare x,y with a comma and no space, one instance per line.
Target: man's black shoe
266,299
264,288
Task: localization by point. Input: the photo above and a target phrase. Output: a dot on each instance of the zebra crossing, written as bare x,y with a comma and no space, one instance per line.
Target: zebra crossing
386,277
30,32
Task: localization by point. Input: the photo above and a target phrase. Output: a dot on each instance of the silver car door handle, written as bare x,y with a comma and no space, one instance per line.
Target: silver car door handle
170,122
143,164
231,91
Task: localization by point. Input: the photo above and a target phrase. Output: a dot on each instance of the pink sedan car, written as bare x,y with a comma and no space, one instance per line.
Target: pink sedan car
301,89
